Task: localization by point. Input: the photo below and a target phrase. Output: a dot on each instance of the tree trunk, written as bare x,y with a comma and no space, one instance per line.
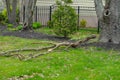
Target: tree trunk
8,9
29,9
21,11
109,18
11,10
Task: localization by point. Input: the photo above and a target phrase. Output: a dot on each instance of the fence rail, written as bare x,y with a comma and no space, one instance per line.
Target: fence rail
1,8
43,14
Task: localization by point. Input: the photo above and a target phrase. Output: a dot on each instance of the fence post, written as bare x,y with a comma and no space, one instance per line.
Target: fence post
24,13
78,17
50,13
98,28
36,14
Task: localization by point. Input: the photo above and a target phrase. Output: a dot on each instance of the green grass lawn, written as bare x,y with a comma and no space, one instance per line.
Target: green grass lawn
75,64
82,33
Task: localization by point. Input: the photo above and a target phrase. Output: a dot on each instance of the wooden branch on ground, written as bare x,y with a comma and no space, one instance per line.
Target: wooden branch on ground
48,49
20,56
20,50
73,45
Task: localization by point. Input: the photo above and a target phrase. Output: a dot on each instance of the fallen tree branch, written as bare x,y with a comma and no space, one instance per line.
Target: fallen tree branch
48,49
20,56
29,49
43,42
73,45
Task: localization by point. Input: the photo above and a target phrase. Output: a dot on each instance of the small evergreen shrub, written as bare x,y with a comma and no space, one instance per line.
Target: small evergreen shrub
50,24
36,25
64,19
83,23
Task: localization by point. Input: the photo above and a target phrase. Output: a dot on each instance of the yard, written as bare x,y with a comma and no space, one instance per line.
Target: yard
82,63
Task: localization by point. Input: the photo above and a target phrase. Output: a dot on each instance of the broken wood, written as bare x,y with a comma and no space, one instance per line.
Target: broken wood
20,56
48,49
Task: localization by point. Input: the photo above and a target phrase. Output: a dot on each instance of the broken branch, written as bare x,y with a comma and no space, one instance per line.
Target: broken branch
48,49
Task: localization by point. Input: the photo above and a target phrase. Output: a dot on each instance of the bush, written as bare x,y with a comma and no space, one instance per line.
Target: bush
64,20
50,24
36,25
17,16
19,27
83,23
10,25
4,13
2,18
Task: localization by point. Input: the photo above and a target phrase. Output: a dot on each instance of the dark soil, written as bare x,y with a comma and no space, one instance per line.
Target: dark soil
31,35
2,28
41,36
106,46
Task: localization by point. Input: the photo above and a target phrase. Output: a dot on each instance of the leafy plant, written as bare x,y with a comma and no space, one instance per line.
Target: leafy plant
4,14
50,24
64,19
83,23
19,27
2,18
36,25
10,25
17,12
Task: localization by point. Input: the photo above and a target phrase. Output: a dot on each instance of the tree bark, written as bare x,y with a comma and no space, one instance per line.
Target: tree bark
28,5
11,10
8,9
29,9
21,3
109,18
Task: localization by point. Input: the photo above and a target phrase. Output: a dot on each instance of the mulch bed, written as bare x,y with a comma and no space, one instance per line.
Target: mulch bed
106,46
31,35
42,36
